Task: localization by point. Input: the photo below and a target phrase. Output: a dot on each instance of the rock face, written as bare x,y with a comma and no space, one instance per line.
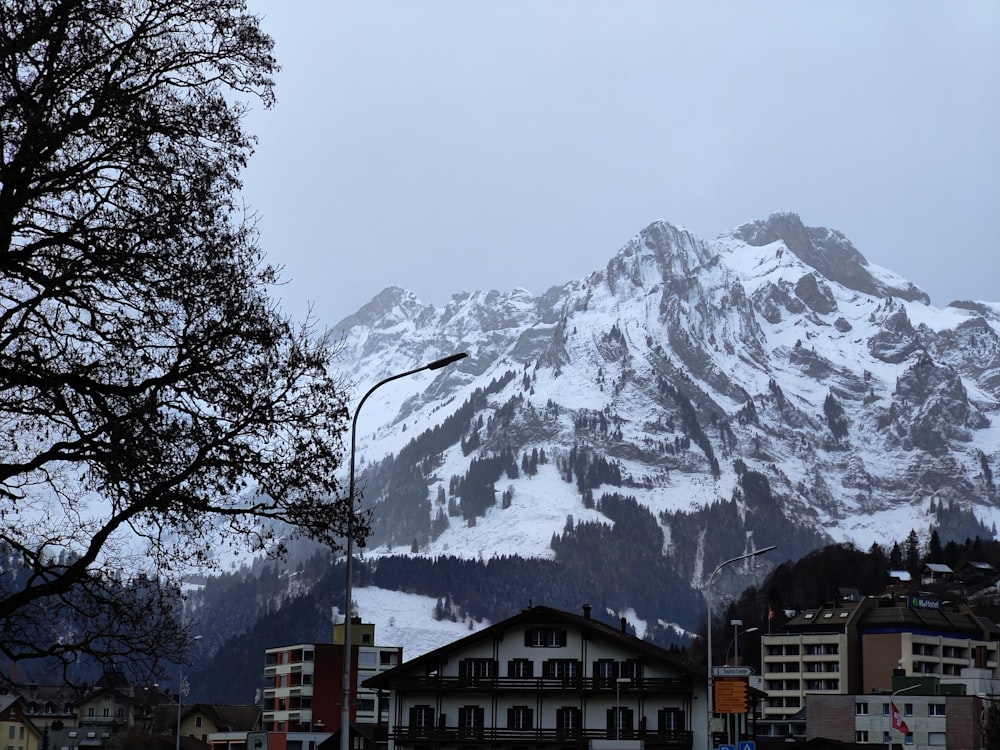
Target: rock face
769,373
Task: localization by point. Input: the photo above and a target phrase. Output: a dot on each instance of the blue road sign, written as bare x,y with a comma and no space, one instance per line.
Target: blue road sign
727,747
748,745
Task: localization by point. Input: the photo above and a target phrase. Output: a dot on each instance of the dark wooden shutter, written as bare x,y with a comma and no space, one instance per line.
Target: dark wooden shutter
562,637
527,637
510,718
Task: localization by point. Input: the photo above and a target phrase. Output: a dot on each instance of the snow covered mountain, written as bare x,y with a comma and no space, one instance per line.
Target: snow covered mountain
769,386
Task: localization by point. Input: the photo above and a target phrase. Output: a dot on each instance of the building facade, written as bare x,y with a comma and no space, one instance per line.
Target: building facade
929,714
545,678
855,647
304,682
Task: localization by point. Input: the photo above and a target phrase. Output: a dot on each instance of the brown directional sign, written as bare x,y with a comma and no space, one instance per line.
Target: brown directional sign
731,695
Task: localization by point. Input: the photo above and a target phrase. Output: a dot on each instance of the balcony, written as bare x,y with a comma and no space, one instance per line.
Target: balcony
652,740
659,686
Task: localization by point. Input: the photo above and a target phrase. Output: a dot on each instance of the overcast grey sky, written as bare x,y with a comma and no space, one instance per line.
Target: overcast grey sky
456,145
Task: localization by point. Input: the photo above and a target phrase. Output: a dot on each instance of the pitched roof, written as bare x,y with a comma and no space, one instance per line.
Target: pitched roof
542,615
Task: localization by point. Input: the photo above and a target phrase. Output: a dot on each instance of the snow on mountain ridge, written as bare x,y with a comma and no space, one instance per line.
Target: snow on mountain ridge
753,334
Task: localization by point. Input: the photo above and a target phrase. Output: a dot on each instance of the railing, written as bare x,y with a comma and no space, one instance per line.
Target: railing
671,739
665,685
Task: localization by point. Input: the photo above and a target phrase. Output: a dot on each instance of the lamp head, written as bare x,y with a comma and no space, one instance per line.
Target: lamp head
445,361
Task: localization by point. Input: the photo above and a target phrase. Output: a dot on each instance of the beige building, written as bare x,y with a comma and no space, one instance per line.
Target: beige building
854,647
17,731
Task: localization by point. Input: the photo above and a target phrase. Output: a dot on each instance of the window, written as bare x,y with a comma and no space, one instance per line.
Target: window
519,717
886,710
197,720
561,668
936,739
935,709
907,709
670,720
568,721
470,721
421,719
545,637
861,737
385,658
365,704
861,709
90,711
478,669
620,722
605,669
908,740
520,668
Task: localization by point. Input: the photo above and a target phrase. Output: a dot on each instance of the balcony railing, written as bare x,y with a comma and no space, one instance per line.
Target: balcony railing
661,686
652,740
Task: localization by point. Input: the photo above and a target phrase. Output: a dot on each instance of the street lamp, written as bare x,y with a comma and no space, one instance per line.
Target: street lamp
735,642
618,705
180,686
708,628
892,711
345,715
735,645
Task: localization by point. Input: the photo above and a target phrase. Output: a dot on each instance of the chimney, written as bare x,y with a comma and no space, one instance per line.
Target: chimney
624,624
586,611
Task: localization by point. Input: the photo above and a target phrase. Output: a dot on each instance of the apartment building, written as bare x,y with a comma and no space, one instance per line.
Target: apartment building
855,647
304,682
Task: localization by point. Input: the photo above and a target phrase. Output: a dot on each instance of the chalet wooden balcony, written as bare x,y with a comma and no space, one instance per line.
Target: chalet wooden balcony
642,685
568,739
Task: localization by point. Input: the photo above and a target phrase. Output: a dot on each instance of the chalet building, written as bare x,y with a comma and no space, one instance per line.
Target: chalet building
545,678
854,648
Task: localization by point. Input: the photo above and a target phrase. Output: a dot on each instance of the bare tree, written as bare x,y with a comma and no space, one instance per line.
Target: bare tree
155,403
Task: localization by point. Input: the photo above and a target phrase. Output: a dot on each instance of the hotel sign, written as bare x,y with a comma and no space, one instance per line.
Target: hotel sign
918,602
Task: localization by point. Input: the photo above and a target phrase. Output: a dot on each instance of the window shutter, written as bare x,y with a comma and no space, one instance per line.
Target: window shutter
562,637
510,718
528,719
611,722
527,637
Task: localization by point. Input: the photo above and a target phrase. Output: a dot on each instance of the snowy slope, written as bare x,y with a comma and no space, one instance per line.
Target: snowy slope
757,330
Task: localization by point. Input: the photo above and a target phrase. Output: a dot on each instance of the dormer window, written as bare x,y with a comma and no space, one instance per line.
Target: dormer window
545,637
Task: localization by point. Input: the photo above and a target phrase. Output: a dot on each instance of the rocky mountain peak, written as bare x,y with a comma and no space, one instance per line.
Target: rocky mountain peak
826,250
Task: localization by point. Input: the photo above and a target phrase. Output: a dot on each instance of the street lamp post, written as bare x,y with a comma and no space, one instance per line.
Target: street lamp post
180,686
892,708
618,705
708,628
345,715
735,646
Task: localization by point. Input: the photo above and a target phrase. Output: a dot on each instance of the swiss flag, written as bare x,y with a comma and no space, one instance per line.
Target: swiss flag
897,720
